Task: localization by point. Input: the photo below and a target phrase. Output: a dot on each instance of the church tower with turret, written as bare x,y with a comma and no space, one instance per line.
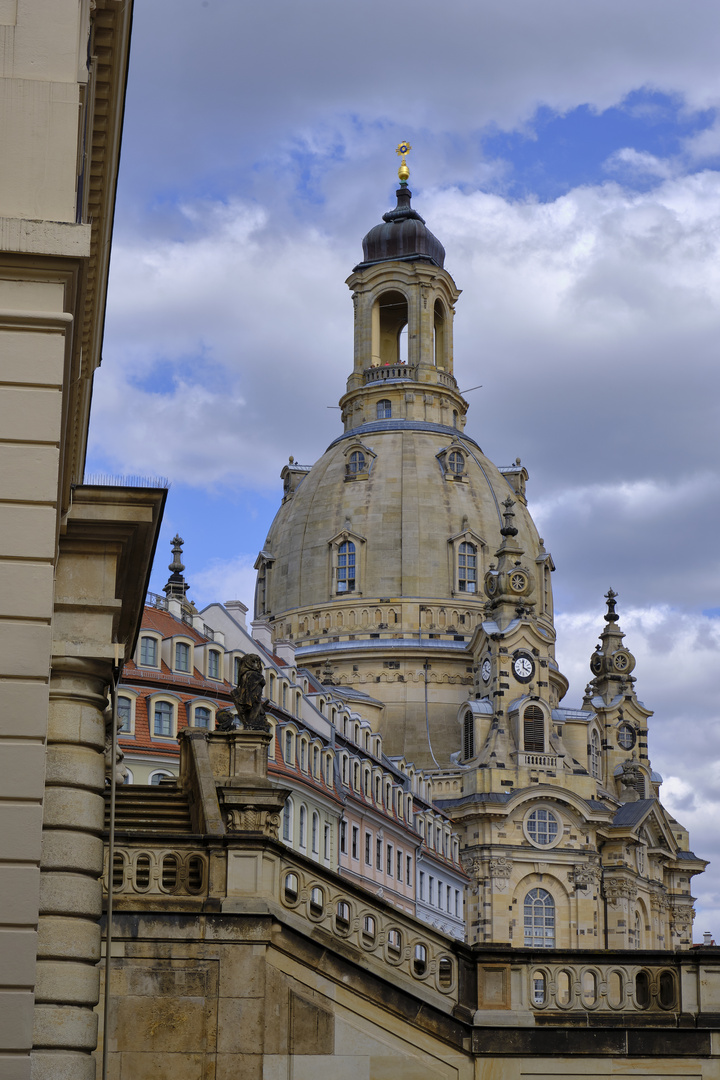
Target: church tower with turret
404,565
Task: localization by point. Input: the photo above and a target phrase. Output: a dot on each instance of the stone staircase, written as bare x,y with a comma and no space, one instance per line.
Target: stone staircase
158,809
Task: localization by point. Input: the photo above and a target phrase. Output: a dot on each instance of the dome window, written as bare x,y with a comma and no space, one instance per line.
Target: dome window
346,567
456,463
356,463
467,567
626,737
384,409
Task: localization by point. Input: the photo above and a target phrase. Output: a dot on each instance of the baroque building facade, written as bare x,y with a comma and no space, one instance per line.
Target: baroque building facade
406,564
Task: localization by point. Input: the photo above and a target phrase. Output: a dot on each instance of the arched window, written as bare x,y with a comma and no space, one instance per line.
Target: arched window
534,730
637,943
384,409
156,777
439,335
287,821
456,463
202,717
124,711
356,463
595,755
302,832
539,920
148,651
468,735
467,568
388,325
182,656
346,567
163,719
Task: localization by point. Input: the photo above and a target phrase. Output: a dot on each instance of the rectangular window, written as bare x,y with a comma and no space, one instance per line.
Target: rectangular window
343,837
378,854
326,843
399,865
163,719
355,834
182,656
214,664
368,849
389,860
237,670
202,717
148,651
431,890
449,898
288,748
422,885
124,711
302,754
408,879
457,903
440,895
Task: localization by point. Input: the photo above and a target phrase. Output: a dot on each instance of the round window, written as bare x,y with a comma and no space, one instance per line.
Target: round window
626,737
542,827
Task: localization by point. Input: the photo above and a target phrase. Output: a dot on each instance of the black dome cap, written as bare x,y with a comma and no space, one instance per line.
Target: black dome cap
402,236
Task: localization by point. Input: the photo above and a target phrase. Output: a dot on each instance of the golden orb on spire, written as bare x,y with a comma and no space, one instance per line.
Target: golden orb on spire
403,150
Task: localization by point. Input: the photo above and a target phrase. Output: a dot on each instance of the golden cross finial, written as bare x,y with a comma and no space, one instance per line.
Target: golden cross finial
403,150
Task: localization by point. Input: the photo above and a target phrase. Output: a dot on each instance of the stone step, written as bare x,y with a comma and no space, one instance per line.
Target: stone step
149,809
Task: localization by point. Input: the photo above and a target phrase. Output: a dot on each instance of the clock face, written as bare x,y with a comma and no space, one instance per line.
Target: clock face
490,584
596,664
485,670
523,668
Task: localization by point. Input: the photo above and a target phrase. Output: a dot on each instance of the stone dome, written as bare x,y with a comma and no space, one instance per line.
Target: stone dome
402,236
404,513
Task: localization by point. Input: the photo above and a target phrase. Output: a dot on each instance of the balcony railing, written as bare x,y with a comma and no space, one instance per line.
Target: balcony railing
538,761
389,371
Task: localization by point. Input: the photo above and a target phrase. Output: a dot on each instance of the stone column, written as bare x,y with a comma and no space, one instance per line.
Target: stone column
71,865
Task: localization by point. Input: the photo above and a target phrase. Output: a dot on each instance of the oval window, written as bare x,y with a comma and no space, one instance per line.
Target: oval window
169,872
369,928
394,940
420,960
291,887
615,989
445,973
317,900
142,872
195,874
342,917
642,990
563,988
539,988
589,988
667,990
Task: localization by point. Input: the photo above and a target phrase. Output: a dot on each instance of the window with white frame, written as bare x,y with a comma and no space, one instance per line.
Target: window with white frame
345,581
148,651
213,664
161,774
202,717
289,748
163,717
182,656
124,712
539,920
467,567
287,821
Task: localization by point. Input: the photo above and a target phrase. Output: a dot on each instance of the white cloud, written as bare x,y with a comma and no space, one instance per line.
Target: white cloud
225,579
640,163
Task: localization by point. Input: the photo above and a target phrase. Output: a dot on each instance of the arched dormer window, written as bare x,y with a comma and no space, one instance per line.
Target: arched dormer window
467,567
125,714
539,920
384,409
149,651
456,462
202,717
356,463
346,566
534,730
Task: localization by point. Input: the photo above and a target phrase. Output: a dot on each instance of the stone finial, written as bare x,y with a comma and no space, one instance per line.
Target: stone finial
611,616
176,585
509,528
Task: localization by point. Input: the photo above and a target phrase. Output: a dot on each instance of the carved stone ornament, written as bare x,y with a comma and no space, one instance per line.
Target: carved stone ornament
248,694
120,770
500,871
682,917
659,901
253,819
584,875
474,867
617,889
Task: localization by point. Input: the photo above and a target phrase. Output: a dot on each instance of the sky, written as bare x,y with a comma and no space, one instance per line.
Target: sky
568,157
